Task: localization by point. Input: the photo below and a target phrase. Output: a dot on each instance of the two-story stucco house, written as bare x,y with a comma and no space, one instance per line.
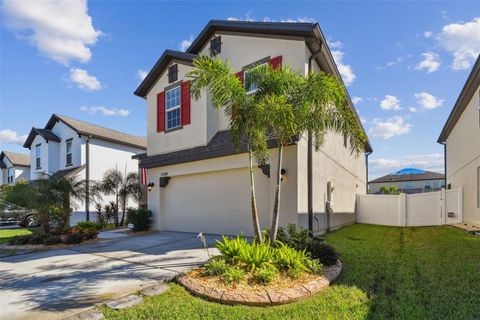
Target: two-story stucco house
409,180
69,146
198,181
13,167
461,138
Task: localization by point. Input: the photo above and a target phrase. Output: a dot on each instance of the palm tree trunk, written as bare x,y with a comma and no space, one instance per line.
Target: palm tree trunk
124,204
256,224
276,204
115,218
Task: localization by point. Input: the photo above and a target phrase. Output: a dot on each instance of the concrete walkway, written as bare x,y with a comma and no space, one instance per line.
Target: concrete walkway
57,283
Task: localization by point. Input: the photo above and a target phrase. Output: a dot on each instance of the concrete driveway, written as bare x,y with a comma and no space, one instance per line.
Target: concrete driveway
57,283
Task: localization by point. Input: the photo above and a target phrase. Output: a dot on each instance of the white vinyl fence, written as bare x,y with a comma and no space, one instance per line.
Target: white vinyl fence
421,209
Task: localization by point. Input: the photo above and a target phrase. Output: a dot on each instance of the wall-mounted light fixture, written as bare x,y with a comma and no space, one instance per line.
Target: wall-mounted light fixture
150,186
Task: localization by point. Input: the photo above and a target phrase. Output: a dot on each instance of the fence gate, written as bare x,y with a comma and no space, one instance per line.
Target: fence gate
421,209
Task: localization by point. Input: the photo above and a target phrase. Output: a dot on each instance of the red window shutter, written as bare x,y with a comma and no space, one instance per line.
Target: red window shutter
240,76
185,102
276,62
161,111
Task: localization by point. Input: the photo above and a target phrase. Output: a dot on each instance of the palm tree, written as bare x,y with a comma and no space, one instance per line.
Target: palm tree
123,187
66,190
246,118
296,104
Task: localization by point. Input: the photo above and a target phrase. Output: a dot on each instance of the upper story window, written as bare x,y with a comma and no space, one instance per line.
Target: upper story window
216,46
37,156
68,152
173,73
251,86
10,175
172,108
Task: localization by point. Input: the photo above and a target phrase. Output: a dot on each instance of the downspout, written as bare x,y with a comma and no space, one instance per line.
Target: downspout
309,157
87,178
366,166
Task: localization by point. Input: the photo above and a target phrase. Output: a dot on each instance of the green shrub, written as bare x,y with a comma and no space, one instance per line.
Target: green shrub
317,249
19,240
295,273
265,274
215,267
255,255
52,239
230,248
233,275
89,229
36,238
314,266
287,258
295,237
141,218
74,238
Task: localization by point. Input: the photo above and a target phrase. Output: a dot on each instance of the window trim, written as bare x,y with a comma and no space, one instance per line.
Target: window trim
9,181
68,141
38,159
174,68
216,43
179,107
251,66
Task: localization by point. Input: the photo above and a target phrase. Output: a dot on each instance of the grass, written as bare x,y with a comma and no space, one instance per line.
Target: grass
389,273
7,234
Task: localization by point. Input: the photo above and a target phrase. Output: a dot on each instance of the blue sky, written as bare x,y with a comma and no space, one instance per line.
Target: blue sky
405,63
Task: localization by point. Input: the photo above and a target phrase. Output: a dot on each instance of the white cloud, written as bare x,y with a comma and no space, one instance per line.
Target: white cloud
391,63
357,100
83,80
106,111
430,62
427,100
382,166
390,103
141,74
462,40
61,30
412,109
248,17
428,34
389,128
363,120
186,43
345,70
10,136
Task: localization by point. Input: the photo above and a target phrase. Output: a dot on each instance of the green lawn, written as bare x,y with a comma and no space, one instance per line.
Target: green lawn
6,234
389,273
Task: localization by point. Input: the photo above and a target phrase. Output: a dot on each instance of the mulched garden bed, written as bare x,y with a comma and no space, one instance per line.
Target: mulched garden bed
283,290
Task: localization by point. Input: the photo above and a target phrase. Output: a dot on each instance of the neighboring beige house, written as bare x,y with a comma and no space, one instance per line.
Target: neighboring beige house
461,137
409,180
13,167
198,181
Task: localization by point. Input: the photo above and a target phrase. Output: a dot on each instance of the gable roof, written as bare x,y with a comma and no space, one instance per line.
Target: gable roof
158,68
17,159
468,91
44,133
88,129
312,33
409,174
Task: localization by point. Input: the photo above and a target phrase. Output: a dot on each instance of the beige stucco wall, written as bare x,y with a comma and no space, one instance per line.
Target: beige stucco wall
463,158
213,196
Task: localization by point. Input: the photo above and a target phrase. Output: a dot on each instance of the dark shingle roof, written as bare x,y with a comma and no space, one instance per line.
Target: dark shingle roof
394,177
45,133
68,172
219,146
468,91
17,159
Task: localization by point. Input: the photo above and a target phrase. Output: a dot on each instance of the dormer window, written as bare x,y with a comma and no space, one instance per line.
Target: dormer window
173,73
216,46
68,152
37,156
172,108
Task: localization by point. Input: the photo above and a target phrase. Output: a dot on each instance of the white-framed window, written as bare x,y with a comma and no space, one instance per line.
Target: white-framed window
37,156
68,152
172,108
250,88
10,175
428,184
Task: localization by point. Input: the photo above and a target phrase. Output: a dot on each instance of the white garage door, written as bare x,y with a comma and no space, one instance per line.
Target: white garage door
215,202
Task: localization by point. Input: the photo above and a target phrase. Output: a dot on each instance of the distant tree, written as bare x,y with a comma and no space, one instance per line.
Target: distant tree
389,190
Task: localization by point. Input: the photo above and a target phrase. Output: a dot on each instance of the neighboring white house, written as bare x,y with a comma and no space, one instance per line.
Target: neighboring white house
199,182
409,180
68,146
13,167
461,138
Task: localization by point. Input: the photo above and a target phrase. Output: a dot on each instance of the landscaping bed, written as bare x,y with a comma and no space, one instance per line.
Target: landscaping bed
282,290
